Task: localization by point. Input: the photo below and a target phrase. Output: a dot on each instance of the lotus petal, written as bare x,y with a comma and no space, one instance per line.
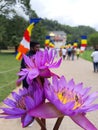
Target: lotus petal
83,122
46,110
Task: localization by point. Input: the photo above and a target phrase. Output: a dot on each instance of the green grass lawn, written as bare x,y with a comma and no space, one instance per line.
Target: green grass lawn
9,67
86,55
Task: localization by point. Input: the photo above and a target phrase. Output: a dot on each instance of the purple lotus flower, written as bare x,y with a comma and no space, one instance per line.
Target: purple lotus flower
72,100
26,100
39,65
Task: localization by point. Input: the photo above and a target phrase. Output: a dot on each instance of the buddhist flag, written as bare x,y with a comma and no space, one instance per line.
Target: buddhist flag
47,41
75,44
51,44
24,46
83,42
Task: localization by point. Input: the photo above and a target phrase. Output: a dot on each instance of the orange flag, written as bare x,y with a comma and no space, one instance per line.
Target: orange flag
24,46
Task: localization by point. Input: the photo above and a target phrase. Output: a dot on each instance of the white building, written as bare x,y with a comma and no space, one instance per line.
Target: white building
59,38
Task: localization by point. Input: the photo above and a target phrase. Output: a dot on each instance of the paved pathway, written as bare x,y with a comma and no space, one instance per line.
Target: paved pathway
81,71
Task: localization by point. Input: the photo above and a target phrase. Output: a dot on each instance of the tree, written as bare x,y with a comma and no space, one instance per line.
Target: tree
93,40
15,30
39,33
6,7
25,5
3,24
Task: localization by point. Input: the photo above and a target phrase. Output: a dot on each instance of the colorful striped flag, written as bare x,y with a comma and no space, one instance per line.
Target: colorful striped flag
47,41
24,46
83,42
75,45
51,44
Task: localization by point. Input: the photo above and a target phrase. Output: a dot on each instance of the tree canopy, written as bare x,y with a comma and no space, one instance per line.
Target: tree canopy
93,40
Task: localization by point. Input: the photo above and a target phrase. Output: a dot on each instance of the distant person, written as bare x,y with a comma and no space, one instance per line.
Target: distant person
78,53
34,47
94,56
69,50
73,53
64,51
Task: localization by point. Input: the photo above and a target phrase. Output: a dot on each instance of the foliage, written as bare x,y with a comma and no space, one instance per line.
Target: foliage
73,33
18,25
39,33
3,25
93,39
11,35
6,7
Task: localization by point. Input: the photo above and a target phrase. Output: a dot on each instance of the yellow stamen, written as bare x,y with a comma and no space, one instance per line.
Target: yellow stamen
77,104
64,99
61,97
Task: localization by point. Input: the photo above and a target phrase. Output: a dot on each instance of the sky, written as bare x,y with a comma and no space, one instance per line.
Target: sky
69,12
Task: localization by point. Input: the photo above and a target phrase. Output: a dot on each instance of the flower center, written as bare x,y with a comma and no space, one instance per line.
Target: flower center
69,97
